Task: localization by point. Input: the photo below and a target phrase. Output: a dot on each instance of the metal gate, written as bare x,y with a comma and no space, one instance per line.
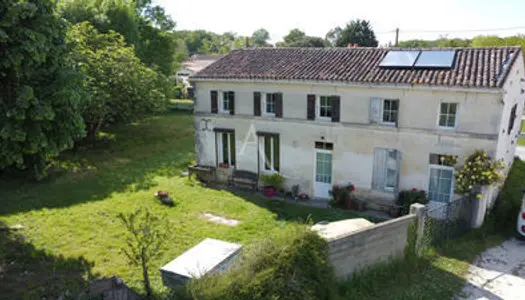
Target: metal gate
445,221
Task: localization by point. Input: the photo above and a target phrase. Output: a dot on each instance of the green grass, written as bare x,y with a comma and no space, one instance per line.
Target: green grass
71,230
180,104
440,275
521,140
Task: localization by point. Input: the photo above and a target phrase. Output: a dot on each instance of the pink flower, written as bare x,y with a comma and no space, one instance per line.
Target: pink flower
335,186
352,187
414,190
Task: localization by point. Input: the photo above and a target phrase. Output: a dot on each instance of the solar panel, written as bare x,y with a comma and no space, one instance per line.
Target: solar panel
399,58
436,59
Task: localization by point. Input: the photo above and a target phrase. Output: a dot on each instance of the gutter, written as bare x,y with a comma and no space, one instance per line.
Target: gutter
349,84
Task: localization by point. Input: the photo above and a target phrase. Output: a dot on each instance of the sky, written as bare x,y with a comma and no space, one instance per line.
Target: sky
414,18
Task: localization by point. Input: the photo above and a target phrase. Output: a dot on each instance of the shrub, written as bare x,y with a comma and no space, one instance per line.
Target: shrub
275,180
508,203
479,169
341,195
292,265
409,197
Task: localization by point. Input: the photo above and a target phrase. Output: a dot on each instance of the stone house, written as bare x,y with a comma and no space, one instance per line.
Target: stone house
380,118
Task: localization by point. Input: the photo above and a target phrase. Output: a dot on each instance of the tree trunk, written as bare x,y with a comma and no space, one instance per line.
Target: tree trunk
147,286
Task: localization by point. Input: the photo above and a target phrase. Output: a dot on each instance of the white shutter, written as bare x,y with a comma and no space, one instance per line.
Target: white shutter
375,109
379,172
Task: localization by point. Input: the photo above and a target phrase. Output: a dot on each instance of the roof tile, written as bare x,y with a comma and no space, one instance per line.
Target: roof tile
473,67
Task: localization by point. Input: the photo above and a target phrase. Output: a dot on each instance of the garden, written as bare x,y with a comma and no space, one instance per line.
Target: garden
71,230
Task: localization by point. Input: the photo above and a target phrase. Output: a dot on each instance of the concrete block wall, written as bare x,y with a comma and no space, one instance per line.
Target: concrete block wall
366,247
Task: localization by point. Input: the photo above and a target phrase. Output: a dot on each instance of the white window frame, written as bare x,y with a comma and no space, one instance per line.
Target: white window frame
440,167
221,104
221,148
318,108
272,155
263,104
448,114
382,121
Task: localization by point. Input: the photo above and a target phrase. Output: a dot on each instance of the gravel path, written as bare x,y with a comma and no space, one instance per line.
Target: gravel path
499,273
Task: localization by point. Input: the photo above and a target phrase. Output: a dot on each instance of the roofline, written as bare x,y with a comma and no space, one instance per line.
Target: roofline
498,90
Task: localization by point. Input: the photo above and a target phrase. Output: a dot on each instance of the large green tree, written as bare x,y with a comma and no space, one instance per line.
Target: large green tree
145,26
40,91
260,38
358,32
121,87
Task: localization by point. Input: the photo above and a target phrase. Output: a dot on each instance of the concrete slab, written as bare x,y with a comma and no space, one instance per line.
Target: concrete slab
333,230
207,258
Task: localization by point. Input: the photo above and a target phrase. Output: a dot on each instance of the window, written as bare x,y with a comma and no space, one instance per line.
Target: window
440,183
271,159
227,98
227,148
447,115
269,104
325,107
385,174
512,118
390,108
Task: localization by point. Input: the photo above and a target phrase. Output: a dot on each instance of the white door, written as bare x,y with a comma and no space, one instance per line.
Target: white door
323,173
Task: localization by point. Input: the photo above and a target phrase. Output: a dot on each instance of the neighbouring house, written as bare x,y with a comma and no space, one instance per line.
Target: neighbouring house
380,118
195,64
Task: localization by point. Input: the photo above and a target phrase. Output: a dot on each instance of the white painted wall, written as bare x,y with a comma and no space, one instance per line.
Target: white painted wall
354,138
506,147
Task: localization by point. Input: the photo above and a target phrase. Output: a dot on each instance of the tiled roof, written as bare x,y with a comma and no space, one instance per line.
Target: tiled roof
473,67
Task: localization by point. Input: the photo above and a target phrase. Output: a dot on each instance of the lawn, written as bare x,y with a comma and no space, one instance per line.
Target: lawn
70,225
521,140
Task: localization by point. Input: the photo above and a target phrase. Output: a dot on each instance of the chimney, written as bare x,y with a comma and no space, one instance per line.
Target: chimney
356,45
349,45
247,42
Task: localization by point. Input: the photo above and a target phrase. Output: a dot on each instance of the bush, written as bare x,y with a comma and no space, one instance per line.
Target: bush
479,169
341,195
292,265
508,203
275,180
409,197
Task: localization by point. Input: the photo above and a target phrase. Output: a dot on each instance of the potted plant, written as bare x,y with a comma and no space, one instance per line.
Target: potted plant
272,183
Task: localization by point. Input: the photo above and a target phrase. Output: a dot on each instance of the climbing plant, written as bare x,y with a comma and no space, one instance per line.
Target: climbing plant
479,169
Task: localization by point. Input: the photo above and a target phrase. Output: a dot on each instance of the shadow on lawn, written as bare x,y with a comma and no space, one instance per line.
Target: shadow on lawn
293,211
128,161
30,273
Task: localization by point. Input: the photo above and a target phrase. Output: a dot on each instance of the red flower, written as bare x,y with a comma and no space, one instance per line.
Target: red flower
352,187
414,190
335,186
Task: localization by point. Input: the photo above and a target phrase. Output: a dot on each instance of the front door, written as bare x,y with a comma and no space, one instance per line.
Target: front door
323,173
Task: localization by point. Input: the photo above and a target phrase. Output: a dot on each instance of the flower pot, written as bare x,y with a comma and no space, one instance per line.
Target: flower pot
269,191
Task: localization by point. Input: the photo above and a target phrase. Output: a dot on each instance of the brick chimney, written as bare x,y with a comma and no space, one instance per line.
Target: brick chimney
356,46
352,46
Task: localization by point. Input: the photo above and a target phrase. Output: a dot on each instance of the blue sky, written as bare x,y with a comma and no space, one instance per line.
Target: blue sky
442,17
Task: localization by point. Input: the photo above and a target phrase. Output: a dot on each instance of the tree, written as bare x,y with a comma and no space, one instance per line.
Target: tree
145,241
332,36
41,92
143,25
260,38
121,88
355,32
295,35
297,38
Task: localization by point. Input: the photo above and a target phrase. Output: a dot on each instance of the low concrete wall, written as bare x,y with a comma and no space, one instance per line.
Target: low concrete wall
352,249
368,246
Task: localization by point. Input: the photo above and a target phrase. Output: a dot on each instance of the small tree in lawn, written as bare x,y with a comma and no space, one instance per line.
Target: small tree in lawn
145,241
